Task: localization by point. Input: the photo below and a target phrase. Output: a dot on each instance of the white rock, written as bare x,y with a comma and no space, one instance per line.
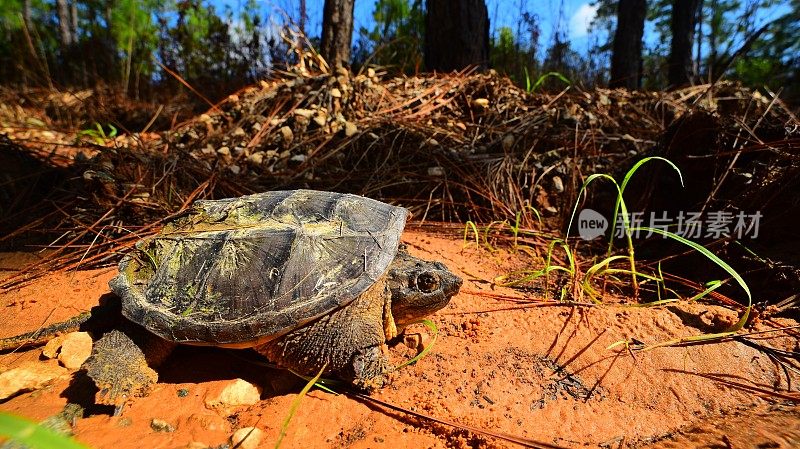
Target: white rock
75,349
247,437
286,134
558,184
256,158
50,350
307,113
480,102
28,377
350,129
237,392
321,118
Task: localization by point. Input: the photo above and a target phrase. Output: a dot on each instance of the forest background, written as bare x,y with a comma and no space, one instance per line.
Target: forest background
142,48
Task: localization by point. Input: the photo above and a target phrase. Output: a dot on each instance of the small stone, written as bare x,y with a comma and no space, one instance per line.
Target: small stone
481,102
298,158
350,129
558,184
238,132
224,151
183,392
286,134
256,158
235,169
508,142
50,350
371,72
336,93
75,349
247,437
237,392
417,341
29,377
159,425
436,171
321,118
307,113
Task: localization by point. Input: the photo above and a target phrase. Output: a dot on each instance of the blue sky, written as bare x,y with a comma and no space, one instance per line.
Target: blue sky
574,18
577,14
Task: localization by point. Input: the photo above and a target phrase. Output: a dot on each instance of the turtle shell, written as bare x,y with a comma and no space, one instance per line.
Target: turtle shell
245,270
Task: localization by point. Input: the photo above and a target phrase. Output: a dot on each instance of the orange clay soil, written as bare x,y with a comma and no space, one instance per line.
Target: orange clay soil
537,372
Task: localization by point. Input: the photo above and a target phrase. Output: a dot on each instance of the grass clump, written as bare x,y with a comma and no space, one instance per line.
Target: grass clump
620,270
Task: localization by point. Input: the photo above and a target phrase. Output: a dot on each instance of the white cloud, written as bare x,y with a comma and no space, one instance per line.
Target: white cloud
580,21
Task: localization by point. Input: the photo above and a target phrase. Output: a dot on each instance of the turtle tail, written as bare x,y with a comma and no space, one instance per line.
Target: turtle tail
100,318
43,334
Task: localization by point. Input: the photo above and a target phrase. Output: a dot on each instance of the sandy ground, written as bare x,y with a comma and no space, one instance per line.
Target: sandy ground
543,373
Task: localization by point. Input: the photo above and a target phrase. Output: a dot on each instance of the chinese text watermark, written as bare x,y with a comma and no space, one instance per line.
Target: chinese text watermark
689,225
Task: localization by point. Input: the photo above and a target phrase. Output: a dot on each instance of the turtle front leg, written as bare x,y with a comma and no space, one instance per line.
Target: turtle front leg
370,368
121,365
347,342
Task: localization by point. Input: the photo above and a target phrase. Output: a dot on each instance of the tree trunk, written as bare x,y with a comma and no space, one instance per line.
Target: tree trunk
684,19
64,22
301,21
337,31
73,24
26,14
456,34
626,55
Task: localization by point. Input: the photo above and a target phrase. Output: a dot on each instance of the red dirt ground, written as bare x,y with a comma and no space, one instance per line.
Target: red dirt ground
538,372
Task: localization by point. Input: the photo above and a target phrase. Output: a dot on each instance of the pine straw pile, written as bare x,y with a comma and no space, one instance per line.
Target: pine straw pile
450,148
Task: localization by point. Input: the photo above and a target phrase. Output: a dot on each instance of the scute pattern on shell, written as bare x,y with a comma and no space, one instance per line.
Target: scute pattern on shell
252,268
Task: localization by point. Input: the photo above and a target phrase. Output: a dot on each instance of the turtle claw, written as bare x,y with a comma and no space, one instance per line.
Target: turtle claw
119,369
370,368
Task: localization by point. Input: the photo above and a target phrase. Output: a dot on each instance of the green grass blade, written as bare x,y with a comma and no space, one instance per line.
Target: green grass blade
296,404
33,435
719,262
712,285
628,176
544,77
434,330
470,225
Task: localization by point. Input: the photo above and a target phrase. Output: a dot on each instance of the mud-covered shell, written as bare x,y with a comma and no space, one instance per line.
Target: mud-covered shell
248,269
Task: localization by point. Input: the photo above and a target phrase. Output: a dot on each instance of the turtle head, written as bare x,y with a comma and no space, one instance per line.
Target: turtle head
418,287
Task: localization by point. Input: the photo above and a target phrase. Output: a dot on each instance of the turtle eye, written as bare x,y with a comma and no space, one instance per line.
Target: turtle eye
427,282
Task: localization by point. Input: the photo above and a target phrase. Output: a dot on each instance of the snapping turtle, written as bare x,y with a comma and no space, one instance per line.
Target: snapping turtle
309,279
